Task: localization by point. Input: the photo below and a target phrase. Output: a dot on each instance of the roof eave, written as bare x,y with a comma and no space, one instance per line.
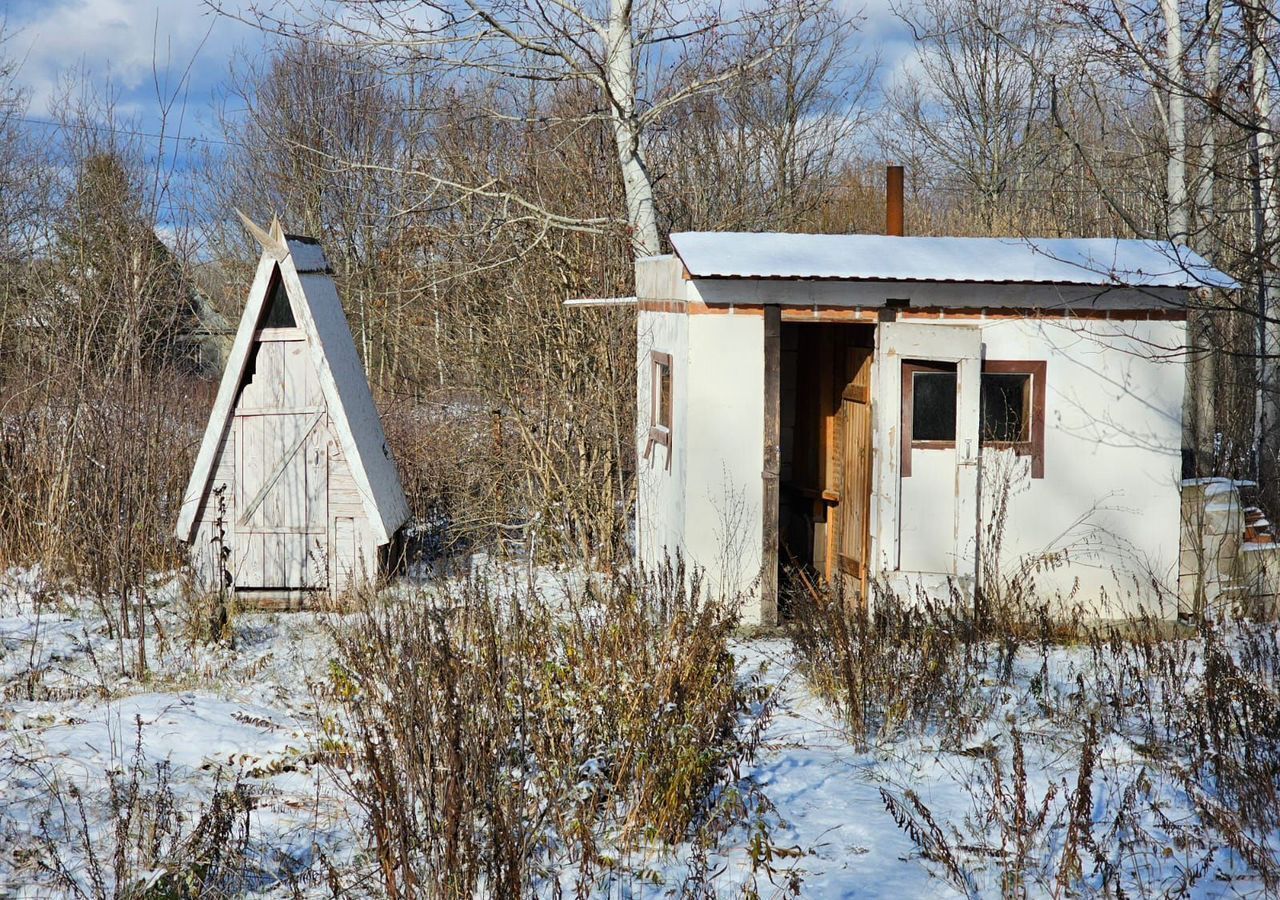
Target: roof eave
841,279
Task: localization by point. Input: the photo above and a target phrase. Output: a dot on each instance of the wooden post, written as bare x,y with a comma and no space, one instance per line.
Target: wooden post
772,463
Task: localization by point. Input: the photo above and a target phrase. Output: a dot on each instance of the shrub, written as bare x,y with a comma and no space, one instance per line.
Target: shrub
494,738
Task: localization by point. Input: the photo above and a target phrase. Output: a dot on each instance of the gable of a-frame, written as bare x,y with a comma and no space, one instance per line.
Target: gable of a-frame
332,351
351,408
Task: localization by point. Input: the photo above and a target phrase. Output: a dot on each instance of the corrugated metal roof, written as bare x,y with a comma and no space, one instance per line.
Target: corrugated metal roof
1103,262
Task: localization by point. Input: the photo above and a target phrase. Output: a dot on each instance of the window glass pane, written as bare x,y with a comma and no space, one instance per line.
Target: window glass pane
664,395
933,406
280,314
1006,407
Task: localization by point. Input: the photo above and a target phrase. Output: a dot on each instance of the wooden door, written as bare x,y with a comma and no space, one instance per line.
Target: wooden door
854,472
281,533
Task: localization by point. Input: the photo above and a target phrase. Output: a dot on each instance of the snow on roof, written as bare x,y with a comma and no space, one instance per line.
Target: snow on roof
1104,262
308,255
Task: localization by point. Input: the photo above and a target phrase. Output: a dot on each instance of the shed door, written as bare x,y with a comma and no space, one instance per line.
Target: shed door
853,511
281,473
932,372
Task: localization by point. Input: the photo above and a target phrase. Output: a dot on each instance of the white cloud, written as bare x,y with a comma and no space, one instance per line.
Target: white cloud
121,41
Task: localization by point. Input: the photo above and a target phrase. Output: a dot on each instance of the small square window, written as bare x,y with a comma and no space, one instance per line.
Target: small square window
933,409
1013,404
661,417
662,376
928,408
1006,408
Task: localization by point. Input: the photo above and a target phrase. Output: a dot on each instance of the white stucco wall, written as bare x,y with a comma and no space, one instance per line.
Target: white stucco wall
725,432
661,489
707,505
1113,438
1100,530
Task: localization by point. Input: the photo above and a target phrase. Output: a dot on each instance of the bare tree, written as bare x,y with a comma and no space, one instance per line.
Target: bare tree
633,56
1259,21
978,101
765,153
1138,99
320,137
1175,121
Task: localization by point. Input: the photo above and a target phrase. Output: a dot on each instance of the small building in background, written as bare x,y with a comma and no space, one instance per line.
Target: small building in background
919,415
294,490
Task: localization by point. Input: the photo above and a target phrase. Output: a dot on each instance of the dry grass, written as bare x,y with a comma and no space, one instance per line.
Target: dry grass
136,838
495,740
1201,712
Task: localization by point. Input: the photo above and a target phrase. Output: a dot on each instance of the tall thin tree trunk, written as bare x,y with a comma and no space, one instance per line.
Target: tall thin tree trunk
1177,137
1199,421
1266,220
620,78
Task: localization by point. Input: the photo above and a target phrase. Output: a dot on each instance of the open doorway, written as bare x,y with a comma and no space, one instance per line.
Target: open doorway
825,430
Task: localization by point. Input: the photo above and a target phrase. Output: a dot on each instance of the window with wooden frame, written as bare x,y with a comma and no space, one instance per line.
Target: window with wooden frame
662,406
1012,413
1011,416
928,408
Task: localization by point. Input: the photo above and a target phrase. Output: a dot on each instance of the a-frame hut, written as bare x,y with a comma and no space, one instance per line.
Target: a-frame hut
294,490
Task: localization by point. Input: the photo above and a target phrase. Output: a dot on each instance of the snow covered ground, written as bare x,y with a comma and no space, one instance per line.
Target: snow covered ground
208,717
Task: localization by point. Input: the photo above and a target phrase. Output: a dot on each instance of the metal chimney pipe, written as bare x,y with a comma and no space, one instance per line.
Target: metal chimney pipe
893,202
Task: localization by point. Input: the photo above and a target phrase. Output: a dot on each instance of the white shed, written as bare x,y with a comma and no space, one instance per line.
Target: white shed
872,407
294,489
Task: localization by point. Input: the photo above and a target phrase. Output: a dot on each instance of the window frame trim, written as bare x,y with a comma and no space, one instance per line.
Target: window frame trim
909,369
660,434
1037,369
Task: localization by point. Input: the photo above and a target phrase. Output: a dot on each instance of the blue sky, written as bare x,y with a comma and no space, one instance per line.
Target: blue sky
117,41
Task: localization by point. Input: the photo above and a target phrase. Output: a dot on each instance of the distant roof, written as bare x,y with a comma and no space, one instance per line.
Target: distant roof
1103,262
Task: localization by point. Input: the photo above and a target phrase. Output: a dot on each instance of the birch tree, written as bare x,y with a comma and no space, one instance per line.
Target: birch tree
1259,21
1175,122
1152,74
1198,416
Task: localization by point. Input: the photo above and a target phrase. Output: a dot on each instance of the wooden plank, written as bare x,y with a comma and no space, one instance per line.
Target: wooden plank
344,551
294,388
273,556
224,468
344,494
290,493
855,511
314,574
264,412
271,372
312,392
281,334
772,463
317,477
833,380
272,450
269,481
250,571
295,560
224,476
252,465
